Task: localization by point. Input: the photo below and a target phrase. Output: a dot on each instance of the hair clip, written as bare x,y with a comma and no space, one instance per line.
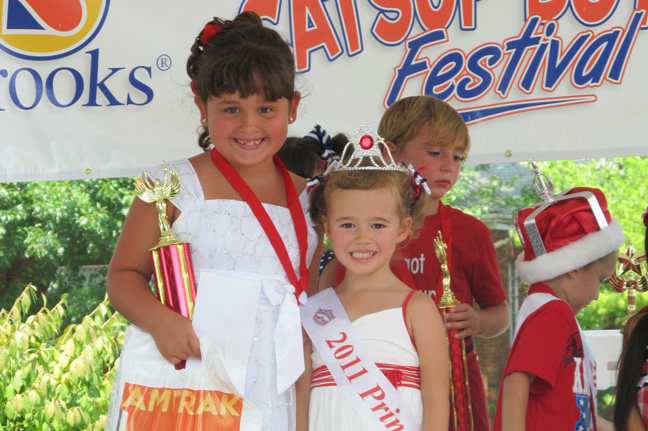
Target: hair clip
210,31
417,182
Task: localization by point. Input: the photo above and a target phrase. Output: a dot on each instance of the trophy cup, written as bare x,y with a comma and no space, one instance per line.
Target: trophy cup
629,276
175,285
461,418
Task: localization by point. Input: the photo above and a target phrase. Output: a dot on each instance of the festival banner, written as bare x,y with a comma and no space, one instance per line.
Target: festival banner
98,88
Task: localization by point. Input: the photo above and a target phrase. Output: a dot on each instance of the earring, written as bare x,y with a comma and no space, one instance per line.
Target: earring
291,118
204,120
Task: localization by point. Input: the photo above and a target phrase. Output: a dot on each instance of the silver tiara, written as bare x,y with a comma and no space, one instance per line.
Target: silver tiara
366,152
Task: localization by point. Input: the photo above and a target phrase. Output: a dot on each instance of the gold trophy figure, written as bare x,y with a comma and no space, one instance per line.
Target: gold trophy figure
630,276
459,388
173,271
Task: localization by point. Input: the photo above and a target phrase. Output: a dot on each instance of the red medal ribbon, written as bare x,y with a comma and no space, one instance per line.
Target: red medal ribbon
296,212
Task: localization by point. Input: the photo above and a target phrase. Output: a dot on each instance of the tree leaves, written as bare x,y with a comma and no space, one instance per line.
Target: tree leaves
56,379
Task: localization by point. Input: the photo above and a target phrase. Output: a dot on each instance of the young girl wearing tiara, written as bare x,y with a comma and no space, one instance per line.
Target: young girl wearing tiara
240,210
379,356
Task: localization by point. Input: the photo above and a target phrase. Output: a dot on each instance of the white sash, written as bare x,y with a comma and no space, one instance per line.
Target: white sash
532,303
367,389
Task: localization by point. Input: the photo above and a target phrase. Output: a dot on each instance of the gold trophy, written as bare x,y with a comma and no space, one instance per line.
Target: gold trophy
629,276
461,418
175,285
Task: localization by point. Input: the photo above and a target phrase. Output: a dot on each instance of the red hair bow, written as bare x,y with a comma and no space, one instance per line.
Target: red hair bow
209,32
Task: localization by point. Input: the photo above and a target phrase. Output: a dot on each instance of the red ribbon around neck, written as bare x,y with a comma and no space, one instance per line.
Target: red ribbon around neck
296,212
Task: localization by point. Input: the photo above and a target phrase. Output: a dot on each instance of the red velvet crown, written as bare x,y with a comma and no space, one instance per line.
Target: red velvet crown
565,232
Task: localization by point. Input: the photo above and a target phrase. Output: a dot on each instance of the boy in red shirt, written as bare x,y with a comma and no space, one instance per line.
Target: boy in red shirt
570,248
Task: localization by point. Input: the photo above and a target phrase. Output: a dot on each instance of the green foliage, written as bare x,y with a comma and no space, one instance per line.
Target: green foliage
609,311
56,379
621,181
45,226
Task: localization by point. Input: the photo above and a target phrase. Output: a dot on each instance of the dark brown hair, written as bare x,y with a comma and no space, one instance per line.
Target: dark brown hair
245,58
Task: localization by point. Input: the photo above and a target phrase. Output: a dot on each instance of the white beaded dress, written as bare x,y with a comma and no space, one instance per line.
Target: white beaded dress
387,340
224,235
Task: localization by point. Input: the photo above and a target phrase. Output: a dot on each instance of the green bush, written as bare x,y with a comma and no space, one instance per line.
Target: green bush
54,378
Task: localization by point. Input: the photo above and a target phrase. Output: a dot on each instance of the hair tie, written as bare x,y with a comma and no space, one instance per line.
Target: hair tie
320,179
417,182
644,217
210,31
321,136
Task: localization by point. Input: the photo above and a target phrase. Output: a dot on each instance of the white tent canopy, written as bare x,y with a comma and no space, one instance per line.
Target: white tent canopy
108,94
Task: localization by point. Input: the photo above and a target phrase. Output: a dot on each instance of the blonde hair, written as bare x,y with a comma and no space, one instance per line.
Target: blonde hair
403,120
397,182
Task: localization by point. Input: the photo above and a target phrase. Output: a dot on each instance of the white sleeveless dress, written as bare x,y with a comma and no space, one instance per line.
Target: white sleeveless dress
225,235
385,336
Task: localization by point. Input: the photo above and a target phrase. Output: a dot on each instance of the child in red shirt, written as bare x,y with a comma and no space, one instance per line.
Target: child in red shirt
570,247
432,136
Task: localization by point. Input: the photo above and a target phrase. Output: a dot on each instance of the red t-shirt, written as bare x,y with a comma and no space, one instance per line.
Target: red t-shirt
474,270
548,345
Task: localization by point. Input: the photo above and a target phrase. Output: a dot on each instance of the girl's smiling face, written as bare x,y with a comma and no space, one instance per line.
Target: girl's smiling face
247,131
364,227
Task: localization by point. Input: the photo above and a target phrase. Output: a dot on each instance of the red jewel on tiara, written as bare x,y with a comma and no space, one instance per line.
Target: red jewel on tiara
366,142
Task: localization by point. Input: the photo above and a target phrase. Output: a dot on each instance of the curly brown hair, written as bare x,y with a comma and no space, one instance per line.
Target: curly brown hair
245,58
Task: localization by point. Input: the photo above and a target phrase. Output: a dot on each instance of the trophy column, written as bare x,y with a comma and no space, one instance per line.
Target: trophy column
461,414
173,273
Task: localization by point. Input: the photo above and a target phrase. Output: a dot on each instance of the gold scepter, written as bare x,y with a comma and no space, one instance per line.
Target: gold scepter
459,387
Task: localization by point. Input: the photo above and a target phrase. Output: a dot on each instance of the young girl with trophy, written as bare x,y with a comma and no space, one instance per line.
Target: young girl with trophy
242,214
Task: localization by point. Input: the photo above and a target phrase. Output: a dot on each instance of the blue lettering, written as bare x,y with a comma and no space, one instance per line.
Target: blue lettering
480,64
557,63
78,87
529,78
623,53
411,65
590,67
95,84
38,88
4,74
440,80
517,47
139,85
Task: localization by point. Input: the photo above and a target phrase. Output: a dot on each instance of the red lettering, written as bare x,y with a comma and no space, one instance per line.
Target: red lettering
392,31
312,29
347,365
588,12
352,377
350,25
264,8
593,12
341,340
643,5
343,352
546,10
376,393
467,14
435,17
